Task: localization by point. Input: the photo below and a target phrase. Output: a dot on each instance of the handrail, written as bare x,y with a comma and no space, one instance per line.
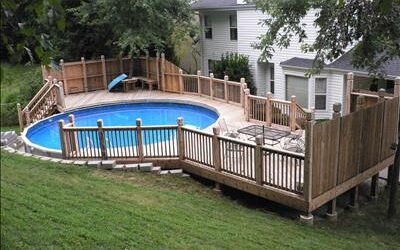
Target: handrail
38,94
45,95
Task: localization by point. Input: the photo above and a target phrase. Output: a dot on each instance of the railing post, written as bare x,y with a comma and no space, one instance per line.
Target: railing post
60,95
147,65
104,70
216,150
349,89
74,141
181,87
28,117
198,82
226,79
292,113
85,84
162,72
20,119
139,139
62,138
64,77
102,139
242,84
268,109
181,143
308,164
158,70
211,85
337,107
258,159
246,104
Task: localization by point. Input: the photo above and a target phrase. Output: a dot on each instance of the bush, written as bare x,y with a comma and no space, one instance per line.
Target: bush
235,66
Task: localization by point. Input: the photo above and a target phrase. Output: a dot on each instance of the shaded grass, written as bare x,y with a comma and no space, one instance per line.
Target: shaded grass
10,128
46,205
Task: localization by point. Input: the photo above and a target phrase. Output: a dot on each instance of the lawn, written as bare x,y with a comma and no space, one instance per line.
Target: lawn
49,205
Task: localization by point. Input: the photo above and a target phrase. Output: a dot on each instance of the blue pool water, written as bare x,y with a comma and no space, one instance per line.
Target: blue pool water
45,133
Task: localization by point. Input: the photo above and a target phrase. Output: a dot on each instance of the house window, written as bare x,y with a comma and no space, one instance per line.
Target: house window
207,27
272,77
320,93
233,27
297,86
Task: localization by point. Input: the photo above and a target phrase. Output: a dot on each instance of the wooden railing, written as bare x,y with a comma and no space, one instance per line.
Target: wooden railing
48,99
274,111
257,164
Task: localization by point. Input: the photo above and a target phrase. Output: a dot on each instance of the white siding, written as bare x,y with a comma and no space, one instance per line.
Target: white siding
220,42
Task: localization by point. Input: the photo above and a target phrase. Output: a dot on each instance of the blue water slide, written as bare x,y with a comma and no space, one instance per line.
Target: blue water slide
117,80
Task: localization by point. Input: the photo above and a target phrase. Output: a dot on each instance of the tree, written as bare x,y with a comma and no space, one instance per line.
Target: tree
26,28
138,25
235,66
371,26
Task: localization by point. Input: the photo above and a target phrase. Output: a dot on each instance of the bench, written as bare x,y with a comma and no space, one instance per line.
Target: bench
130,83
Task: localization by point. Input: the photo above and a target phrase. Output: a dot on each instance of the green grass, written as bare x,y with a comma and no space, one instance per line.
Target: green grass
49,205
10,128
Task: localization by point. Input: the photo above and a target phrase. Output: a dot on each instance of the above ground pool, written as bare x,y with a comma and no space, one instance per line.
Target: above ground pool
45,133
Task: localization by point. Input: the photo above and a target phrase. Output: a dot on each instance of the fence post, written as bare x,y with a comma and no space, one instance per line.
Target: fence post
349,89
62,140
28,117
198,82
211,85
162,72
381,94
104,70
85,84
20,119
147,65
121,64
181,87
74,141
242,83
396,91
292,113
64,77
181,145
268,109
102,139
308,164
246,104
258,159
158,70
226,79
216,150
139,139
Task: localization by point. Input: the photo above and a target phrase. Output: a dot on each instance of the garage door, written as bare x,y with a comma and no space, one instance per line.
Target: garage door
297,86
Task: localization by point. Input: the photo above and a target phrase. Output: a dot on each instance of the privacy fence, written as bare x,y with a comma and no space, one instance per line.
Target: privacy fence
340,153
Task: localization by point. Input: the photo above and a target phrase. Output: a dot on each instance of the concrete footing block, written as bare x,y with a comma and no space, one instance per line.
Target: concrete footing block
45,158
131,167
156,170
307,219
119,167
93,164
9,150
332,216
164,172
185,175
176,171
80,163
67,161
55,160
107,164
354,208
27,155
145,167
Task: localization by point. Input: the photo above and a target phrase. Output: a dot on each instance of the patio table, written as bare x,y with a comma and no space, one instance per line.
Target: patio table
268,133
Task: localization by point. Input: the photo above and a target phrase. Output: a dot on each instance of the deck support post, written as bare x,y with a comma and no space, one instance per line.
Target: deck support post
20,119
258,159
181,146
353,205
292,113
102,139
104,71
139,139
394,180
62,141
226,79
181,87
211,86
374,187
246,104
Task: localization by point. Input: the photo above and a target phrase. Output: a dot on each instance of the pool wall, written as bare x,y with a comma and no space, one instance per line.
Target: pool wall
36,149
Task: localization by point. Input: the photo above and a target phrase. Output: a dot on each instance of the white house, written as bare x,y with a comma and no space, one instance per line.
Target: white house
233,26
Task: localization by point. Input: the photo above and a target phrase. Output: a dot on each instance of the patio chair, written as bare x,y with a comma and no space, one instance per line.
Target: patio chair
294,142
225,131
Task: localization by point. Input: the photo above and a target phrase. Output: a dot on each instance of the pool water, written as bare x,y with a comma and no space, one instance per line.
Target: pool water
46,133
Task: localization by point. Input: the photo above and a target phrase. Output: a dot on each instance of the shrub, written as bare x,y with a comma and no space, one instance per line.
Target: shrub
235,66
